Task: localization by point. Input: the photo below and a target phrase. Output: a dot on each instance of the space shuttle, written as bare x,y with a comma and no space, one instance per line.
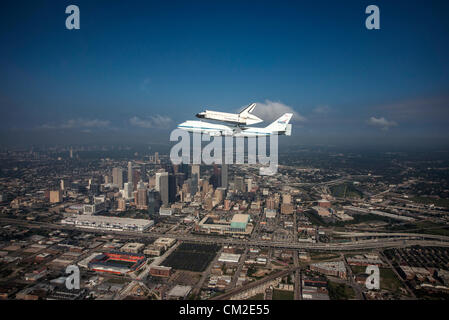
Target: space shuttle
243,118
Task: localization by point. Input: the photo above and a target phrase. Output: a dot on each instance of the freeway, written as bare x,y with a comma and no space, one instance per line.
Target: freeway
390,234
408,239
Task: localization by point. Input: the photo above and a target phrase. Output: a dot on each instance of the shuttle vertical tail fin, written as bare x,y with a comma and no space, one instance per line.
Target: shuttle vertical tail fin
248,109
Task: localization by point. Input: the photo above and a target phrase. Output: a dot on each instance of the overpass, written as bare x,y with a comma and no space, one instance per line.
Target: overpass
407,239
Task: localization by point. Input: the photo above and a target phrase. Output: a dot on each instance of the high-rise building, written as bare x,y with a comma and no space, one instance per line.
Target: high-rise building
136,178
184,168
55,196
153,202
152,182
208,205
143,172
224,176
206,187
196,170
127,191
141,201
180,177
249,183
172,188
227,205
219,194
270,203
286,198
63,184
186,187
194,183
158,180
130,172
163,187
117,177
239,184
140,185
121,204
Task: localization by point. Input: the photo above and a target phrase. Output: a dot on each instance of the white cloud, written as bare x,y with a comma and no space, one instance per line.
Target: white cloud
78,123
270,111
382,123
156,121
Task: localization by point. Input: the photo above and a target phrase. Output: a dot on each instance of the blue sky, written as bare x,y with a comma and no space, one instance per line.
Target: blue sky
138,66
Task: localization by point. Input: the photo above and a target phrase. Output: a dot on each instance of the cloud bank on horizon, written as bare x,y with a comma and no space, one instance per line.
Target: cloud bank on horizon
79,123
270,111
153,122
382,123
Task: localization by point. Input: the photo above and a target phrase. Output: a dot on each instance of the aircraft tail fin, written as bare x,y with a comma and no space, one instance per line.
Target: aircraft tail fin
248,109
282,125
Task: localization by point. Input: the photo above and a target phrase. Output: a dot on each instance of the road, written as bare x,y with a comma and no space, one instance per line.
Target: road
297,275
352,282
409,239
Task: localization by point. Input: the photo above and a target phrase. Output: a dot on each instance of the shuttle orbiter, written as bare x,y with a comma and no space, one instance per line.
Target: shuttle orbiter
243,118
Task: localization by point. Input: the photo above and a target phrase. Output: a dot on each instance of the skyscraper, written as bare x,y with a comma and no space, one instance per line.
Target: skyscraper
117,177
127,191
184,168
224,176
158,180
196,170
141,201
249,183
172,188
55,196
239,184
63,184
163,187
194,183
143,172
153,202
130,173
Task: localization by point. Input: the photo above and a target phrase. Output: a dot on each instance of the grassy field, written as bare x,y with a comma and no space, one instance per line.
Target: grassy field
346,190
316,220
340,291
389,280
282,295
317,256
358,269
258,296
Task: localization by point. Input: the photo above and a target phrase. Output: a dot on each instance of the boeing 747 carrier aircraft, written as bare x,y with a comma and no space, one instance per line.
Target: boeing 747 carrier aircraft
281,127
